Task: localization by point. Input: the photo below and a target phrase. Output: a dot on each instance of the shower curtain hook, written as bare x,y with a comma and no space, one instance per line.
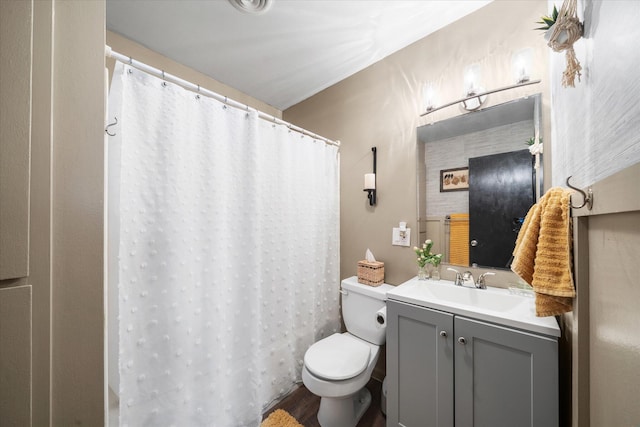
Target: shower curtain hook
106,129
164,83
198,94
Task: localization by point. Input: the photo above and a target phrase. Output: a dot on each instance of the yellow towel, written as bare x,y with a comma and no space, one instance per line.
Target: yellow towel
542,255
459,239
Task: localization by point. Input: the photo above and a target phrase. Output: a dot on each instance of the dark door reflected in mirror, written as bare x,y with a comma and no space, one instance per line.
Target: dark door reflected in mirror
478,226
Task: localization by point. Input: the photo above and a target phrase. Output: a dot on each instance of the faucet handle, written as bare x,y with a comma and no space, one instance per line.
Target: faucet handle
482,282
459,280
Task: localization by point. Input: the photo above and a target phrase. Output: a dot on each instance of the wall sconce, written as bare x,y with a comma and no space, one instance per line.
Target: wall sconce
370,181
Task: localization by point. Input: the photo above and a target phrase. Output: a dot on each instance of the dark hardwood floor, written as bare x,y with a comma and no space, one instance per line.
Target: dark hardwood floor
303,405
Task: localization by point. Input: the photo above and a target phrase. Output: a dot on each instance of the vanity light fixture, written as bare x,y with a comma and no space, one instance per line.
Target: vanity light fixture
476,95
370,181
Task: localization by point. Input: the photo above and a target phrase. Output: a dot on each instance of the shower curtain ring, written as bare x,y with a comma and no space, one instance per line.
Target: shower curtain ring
164,83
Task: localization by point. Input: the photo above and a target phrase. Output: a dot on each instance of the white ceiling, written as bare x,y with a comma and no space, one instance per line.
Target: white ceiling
291,52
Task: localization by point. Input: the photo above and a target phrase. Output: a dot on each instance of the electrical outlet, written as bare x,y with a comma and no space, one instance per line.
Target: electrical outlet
400,239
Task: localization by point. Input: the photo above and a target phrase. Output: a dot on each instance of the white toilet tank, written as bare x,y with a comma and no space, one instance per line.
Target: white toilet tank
360,305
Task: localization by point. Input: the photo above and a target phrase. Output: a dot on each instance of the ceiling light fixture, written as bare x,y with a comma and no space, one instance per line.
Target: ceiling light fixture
253,7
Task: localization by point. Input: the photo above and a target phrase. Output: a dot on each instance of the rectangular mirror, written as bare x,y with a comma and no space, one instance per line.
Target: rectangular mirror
477,179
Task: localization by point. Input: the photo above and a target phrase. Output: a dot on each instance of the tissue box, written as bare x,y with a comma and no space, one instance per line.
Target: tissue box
371,273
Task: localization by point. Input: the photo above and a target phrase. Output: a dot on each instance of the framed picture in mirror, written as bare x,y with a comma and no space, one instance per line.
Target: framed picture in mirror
456,179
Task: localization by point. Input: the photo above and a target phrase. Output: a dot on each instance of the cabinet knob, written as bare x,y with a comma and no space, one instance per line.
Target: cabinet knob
462,340
443,334
474,243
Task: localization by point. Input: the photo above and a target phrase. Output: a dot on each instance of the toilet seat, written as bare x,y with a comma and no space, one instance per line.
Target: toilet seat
338,357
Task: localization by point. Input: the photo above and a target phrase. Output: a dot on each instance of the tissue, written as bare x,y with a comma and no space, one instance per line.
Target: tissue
381,318
369,256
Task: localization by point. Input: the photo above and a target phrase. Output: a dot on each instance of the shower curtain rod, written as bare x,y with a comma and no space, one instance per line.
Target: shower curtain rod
109,53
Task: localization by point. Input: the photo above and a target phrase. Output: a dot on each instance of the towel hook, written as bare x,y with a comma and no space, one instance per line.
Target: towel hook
587,197
111,124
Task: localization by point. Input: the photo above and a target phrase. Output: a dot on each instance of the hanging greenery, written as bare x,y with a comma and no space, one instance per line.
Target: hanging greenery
565,29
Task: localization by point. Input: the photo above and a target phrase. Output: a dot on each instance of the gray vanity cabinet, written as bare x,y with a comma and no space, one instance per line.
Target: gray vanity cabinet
503,377
420,364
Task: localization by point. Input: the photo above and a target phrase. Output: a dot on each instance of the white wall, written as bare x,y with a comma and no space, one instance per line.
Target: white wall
595,134
595,128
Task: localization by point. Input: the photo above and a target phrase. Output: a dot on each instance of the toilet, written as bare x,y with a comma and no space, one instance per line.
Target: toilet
338,367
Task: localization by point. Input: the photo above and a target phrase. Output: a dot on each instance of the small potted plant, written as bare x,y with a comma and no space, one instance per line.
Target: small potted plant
428,262
547,22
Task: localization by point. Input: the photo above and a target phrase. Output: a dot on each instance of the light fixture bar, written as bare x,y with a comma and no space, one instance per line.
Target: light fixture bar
478,95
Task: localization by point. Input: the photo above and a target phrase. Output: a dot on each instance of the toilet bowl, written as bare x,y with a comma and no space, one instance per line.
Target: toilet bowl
338,367
343,401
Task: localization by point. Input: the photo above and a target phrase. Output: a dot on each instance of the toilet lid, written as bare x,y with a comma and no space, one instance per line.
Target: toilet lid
337,357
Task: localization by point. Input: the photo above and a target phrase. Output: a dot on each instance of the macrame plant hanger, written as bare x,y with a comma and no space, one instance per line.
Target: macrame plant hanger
566,31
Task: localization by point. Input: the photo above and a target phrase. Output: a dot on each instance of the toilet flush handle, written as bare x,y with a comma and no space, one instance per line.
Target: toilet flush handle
343,292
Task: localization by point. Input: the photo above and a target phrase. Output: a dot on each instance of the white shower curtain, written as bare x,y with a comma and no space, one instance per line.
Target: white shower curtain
228,254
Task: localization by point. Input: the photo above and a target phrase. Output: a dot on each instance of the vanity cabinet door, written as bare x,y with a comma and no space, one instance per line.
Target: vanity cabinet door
504,377
419,366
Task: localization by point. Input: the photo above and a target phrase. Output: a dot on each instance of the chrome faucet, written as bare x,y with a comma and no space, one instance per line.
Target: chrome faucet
459,280
482,281
468,277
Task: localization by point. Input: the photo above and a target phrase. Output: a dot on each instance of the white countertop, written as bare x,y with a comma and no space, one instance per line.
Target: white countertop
496,305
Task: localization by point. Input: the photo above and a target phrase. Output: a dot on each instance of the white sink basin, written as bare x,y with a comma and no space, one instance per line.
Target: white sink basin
494,305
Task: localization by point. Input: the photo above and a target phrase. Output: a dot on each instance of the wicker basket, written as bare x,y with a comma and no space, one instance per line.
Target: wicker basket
371,273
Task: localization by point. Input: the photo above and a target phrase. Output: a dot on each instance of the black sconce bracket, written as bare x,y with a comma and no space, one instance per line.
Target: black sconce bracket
372,192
